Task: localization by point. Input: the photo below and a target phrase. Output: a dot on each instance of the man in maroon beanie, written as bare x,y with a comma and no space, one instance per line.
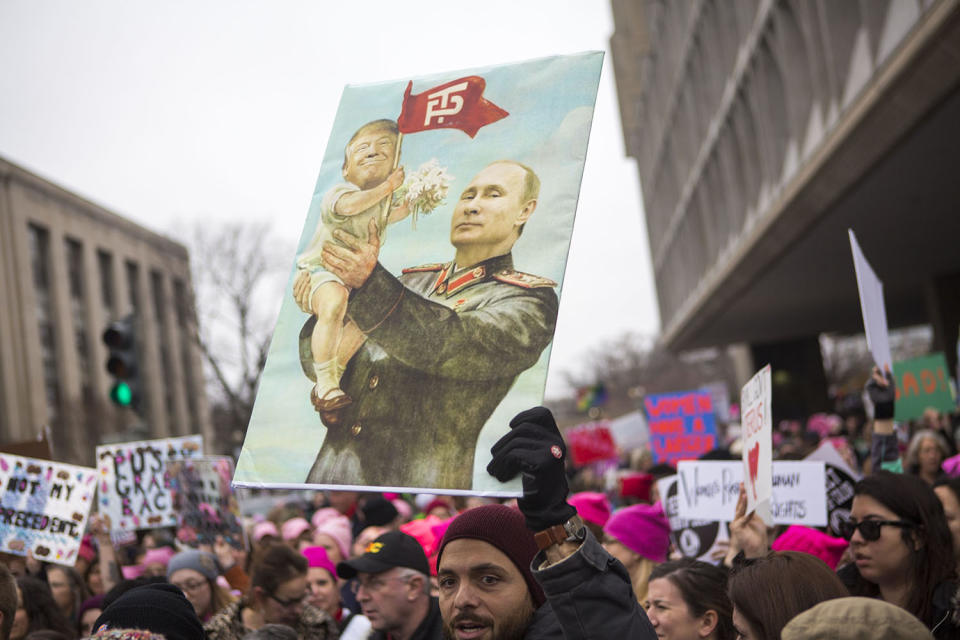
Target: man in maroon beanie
538,572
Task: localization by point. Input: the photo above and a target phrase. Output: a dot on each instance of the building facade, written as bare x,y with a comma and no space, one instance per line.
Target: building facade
67,269
762,131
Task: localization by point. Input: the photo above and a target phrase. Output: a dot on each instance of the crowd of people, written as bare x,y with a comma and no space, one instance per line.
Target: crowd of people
555,563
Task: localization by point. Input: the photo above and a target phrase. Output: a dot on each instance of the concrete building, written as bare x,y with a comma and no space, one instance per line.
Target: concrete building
67,268
763,130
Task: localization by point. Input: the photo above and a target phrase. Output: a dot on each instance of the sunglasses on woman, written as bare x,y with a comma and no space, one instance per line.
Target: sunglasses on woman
869,529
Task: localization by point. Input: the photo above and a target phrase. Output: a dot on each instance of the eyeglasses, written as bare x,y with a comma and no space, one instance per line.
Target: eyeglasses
193,585
292,602
373,583
869,529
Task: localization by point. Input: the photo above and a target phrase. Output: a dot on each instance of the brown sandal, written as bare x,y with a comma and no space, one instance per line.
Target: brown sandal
327,404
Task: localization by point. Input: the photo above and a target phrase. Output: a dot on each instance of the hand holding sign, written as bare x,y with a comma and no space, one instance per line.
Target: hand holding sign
748,533
755,401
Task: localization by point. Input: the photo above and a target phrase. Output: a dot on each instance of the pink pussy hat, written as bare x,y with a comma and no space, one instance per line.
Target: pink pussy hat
293,527
816,543
265,528
642,528
317,557
591,506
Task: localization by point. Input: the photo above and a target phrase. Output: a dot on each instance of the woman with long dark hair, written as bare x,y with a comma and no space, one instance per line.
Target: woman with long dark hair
903,550
37,610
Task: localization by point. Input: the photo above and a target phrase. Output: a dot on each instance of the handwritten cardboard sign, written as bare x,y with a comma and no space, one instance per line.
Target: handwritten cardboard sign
922,383
682,425
757,429
707,490
131,479
700,539
591,442
873,307
44,507
204,501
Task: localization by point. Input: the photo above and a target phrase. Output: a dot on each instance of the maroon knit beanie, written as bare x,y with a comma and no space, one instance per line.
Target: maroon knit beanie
505,529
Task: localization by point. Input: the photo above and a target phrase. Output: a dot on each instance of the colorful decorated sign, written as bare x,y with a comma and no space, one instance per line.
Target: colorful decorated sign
872,306
131,480
591,442
412,328
44,507
757,430
708,490
922,383
204,501
682,425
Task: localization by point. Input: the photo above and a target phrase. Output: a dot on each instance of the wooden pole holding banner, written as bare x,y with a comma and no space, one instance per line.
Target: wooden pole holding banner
387,205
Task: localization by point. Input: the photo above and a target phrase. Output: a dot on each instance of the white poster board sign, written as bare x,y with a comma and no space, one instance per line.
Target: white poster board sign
757,425
873,307
131,478
707,490
44,507
700,539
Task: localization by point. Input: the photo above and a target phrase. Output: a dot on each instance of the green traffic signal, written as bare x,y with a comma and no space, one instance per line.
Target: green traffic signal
121,394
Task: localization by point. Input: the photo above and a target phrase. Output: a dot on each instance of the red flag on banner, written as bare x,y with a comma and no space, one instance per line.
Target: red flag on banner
458,104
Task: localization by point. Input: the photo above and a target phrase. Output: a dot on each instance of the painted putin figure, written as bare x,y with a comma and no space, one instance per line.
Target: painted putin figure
443,343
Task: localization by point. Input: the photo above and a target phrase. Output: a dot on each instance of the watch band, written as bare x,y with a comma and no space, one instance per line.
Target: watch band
570,531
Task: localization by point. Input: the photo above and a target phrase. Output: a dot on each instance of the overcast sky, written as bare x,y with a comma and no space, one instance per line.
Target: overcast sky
169,111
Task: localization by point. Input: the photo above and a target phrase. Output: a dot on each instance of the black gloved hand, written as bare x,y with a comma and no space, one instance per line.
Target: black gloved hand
882,396
535,448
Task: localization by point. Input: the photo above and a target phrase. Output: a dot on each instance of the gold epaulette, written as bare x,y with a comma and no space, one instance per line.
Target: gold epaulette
525,280
424,268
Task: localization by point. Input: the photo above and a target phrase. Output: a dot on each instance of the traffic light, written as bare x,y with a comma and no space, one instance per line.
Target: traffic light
121,339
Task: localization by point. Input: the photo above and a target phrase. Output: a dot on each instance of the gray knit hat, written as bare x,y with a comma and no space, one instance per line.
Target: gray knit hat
200,561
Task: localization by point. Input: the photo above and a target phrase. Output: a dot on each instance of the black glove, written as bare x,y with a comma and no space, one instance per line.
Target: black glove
882,397
535,448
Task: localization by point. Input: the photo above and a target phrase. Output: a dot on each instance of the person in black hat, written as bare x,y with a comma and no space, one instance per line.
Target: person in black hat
393,588
160,607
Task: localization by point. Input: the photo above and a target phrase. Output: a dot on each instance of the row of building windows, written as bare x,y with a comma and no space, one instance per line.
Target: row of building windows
80,290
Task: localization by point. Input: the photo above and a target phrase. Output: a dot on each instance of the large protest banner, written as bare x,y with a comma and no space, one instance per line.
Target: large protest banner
44,507
757,429
708,490
204,501
872,306
922,383
131,479
421,305
682,425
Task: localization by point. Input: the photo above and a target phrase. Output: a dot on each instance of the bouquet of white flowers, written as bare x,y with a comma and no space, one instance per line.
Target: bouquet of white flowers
425,189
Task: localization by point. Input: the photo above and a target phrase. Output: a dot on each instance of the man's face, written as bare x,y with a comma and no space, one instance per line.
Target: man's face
370,158
384,599
483,595
285,605
490,210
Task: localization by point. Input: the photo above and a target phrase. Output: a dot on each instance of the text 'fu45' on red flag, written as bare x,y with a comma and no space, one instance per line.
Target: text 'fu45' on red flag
458,104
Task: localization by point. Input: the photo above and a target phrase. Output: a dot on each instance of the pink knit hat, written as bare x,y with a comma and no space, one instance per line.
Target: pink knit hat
403,508
951,466
642,528
322,515
592,506
293,527
340,531
816,543
317,557
265,528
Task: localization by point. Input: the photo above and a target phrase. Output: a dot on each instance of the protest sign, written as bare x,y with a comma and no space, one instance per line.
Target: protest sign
757,434
205,503
708,490
720,396
131,478
922,383
448,334
872,306
630,431
44,507
700,539
840,481
682,425
591,442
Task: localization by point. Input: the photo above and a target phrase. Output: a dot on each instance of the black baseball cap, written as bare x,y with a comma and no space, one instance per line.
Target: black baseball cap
392,549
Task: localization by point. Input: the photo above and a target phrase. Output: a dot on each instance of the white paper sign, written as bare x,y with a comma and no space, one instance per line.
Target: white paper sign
707,490
44,507
757,430
700,539
873,307
630,431
841,480
131,479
